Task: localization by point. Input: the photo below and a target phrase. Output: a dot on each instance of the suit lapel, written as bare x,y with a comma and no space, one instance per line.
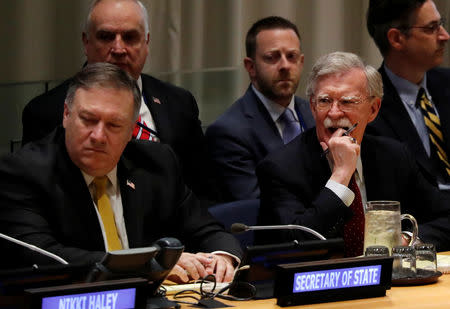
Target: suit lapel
131,191
398,119
377,169
319,165
304,113
261,121
370,170
80,208
441,98
157,103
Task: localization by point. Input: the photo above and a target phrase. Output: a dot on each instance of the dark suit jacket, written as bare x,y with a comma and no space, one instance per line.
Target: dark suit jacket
242,137
393,120
176,120
44,201
293,191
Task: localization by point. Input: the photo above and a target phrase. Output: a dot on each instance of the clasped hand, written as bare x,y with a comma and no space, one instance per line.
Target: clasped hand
195,266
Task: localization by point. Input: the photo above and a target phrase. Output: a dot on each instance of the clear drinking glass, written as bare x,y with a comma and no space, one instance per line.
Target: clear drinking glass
404,262
425,259
377,251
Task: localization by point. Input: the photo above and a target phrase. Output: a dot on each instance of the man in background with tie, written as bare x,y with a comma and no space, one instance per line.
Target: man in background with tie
269,114
411,37
117,32
86,188
323,177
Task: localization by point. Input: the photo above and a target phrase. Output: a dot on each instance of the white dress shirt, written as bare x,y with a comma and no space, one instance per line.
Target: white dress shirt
343,192
144,112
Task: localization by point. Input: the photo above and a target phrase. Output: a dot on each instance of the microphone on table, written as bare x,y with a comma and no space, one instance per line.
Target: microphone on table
34,248
237,228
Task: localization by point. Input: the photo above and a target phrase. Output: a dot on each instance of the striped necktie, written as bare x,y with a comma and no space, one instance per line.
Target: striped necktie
106,213
434,133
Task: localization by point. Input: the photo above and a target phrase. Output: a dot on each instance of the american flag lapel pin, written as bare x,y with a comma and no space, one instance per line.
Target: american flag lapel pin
156,100
131,185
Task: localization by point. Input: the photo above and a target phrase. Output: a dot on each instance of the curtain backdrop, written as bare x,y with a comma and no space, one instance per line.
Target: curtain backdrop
41,39
198,44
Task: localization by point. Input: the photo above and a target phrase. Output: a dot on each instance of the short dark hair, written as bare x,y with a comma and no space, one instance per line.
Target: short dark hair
267,23
104,75
383,15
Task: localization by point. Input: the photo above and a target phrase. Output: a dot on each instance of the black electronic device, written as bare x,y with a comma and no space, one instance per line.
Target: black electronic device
152,263
260,261
332,280
123,264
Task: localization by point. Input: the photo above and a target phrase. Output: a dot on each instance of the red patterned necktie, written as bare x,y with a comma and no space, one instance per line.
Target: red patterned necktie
140,133
354,228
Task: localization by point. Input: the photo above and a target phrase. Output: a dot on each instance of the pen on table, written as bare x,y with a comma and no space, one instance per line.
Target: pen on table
346,133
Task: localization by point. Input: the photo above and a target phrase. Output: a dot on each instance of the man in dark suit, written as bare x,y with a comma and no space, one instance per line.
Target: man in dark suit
255,125
323,177
411,37
117,32
52,194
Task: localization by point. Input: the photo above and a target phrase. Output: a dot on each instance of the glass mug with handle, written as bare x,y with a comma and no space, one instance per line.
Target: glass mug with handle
383,224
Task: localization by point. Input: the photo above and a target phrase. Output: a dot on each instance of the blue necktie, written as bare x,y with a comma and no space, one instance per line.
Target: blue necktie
291,126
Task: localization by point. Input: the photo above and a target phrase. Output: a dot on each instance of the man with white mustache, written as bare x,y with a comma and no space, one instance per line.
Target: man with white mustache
323,178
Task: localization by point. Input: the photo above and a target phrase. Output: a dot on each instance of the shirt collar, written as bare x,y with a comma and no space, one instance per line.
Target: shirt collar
407,91
112,176
139,83
275,110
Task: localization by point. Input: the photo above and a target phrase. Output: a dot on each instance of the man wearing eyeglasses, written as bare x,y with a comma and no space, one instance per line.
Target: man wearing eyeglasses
410,35
323,177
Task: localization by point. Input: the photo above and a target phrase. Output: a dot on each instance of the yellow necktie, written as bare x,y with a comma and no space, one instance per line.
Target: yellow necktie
433,124
106,213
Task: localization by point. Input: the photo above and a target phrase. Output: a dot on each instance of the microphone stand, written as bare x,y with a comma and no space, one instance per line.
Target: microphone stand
34,248
240,228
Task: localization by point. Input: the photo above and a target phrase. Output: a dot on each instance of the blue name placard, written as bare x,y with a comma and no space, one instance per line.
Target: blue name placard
337,278
113,299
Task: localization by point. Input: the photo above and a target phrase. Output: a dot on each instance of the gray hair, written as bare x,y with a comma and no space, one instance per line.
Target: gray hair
94,3
340,62
104,75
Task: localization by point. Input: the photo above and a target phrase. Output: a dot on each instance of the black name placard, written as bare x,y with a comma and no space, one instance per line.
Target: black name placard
332,280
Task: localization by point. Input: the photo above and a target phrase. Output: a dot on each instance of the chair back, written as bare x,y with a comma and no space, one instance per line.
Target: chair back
244,211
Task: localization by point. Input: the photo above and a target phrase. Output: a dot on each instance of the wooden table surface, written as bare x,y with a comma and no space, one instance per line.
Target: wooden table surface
435,295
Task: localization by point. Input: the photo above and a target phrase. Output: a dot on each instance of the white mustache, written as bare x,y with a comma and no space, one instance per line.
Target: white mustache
340,123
